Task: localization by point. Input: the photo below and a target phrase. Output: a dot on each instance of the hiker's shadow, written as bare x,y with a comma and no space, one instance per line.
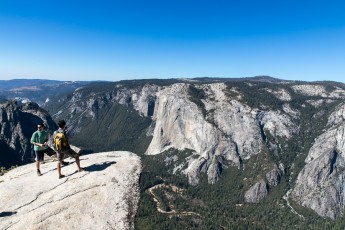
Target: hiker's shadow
4,214
99,167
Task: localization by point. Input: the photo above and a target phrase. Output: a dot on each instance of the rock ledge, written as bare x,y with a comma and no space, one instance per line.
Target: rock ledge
104,196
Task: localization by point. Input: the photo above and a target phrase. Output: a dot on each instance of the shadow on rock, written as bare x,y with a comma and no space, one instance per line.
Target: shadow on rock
4,214
99,167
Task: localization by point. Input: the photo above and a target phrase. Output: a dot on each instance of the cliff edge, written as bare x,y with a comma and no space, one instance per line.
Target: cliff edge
104,196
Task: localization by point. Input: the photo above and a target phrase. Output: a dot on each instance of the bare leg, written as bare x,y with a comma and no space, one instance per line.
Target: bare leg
59,168
38,168
38,165
60,157
77,161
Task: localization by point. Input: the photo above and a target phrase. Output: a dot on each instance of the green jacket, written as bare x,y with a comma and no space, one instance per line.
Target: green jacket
39,137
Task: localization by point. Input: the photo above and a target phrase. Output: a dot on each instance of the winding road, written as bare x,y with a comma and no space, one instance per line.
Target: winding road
172,212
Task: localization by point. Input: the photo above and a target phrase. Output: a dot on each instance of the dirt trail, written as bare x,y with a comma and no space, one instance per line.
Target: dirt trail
172,212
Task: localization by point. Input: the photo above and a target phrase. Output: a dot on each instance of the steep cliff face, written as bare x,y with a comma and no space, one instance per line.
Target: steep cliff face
320,184
180,124
226,132
17,123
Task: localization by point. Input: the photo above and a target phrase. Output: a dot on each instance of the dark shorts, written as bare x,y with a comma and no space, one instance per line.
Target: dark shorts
66,153
39,154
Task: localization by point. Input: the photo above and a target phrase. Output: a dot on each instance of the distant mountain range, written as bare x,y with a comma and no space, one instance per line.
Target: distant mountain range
36,90
39,90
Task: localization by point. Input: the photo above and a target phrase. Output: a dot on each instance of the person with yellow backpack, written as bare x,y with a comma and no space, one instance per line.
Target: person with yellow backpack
62,147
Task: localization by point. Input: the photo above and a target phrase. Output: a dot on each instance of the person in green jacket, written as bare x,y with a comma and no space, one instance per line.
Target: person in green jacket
40,141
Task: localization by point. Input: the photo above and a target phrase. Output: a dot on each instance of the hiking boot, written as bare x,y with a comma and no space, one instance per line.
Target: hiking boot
64,163
61,176
39,172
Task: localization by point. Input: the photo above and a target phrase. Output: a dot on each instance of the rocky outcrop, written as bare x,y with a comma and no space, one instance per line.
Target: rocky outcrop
104,196
256,193
295,114
319,90
320,184
17,123
277,124
259,190
273,177
320,102
144,100
338,116
281,94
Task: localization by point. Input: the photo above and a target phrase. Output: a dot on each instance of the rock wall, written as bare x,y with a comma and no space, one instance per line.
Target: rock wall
320,184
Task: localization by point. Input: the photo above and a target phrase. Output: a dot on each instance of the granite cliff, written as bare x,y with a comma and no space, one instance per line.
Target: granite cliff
320,184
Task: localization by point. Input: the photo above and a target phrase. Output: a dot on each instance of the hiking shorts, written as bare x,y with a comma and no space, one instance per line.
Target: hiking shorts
39,154
66,153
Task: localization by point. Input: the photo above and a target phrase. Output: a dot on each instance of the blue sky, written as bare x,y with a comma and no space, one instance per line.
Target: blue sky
115,40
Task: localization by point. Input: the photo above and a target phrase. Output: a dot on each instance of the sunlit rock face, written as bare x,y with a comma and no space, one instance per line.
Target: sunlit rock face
104,196
319,90
227,133
320,184
256,193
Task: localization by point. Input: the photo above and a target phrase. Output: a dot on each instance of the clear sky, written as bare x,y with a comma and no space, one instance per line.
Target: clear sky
115,40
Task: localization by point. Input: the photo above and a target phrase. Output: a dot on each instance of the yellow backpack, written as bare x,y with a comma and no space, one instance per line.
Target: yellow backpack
60,141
